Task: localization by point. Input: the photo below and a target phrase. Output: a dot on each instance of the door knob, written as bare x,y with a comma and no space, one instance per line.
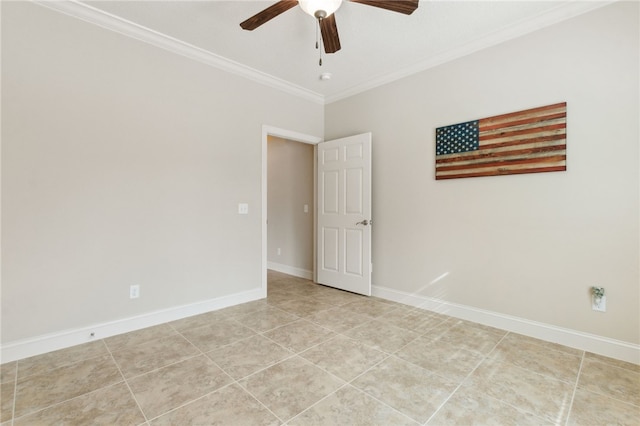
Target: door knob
365,222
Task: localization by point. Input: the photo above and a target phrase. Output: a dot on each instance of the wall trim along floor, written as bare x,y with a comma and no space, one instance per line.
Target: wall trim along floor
50,342
290,270
576,339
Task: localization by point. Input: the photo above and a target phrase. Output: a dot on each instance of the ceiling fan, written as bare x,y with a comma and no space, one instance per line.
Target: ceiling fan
323,11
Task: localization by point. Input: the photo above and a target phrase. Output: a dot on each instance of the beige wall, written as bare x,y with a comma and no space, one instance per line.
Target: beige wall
532,245
124,164
290,187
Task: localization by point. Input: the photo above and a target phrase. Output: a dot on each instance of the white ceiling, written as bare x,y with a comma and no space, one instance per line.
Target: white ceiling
378,46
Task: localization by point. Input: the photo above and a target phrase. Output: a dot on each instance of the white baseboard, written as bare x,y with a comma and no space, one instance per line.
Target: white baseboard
612,348
50,342
290,270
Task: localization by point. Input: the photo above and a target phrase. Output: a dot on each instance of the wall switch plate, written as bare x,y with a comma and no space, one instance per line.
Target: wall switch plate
306,208
243,208
134,291
279,251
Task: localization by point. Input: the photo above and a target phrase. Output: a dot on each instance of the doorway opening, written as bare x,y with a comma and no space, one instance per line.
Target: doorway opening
289,216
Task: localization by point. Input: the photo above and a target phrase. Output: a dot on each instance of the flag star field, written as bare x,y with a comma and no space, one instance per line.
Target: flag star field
457,138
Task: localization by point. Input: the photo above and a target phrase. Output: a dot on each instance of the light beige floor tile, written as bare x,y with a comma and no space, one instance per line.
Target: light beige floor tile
471,408
42,363
7,391
304,307
408,318
113,405
8,372
228,406
369,308
210,337
441,357
338,319
539,359
406,387
75,385
593,409
247,356
540,395
39,391
617,363
291,386
609,380
519,338
336,297
475,339
245,308
487,328
154,354
278,298
177,384
350,407
382,336
201,320
266,319
434,326
344,357
299,335
139,337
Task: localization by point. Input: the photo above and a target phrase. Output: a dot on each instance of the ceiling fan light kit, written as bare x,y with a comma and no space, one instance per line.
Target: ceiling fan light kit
323,11
320,9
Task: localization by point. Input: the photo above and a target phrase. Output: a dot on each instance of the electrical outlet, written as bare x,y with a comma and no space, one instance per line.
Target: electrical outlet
134,291
279,251
599,304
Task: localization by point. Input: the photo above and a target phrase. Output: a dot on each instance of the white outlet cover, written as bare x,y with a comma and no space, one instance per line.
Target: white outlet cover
134,291
243,208
602,306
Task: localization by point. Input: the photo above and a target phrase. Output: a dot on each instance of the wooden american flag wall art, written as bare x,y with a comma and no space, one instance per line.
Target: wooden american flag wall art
529,141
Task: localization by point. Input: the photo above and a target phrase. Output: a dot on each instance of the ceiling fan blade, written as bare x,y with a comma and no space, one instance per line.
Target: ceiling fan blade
268,14
401,6
329,31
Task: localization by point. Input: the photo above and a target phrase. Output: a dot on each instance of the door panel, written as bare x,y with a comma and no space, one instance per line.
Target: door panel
344,213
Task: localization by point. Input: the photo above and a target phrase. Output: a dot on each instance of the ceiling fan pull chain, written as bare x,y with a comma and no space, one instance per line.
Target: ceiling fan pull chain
317,39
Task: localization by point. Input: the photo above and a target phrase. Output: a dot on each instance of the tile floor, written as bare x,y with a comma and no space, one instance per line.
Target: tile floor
312,355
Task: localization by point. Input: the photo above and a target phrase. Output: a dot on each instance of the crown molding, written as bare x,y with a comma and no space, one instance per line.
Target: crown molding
127,28
122,26
517,29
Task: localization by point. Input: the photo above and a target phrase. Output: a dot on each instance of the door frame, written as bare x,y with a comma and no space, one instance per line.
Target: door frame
297,137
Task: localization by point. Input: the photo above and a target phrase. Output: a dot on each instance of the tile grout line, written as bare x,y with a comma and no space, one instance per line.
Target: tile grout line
233,380
15,394
133,395
71,399
484,358
575,388
13,417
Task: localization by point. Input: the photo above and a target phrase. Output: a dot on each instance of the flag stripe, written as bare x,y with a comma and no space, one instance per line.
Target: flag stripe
523,120
520,153
561,107
498,148
535,159
510,133
496,172
555,136
529,141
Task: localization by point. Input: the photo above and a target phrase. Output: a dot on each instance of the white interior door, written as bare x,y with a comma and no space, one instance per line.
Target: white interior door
344,214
